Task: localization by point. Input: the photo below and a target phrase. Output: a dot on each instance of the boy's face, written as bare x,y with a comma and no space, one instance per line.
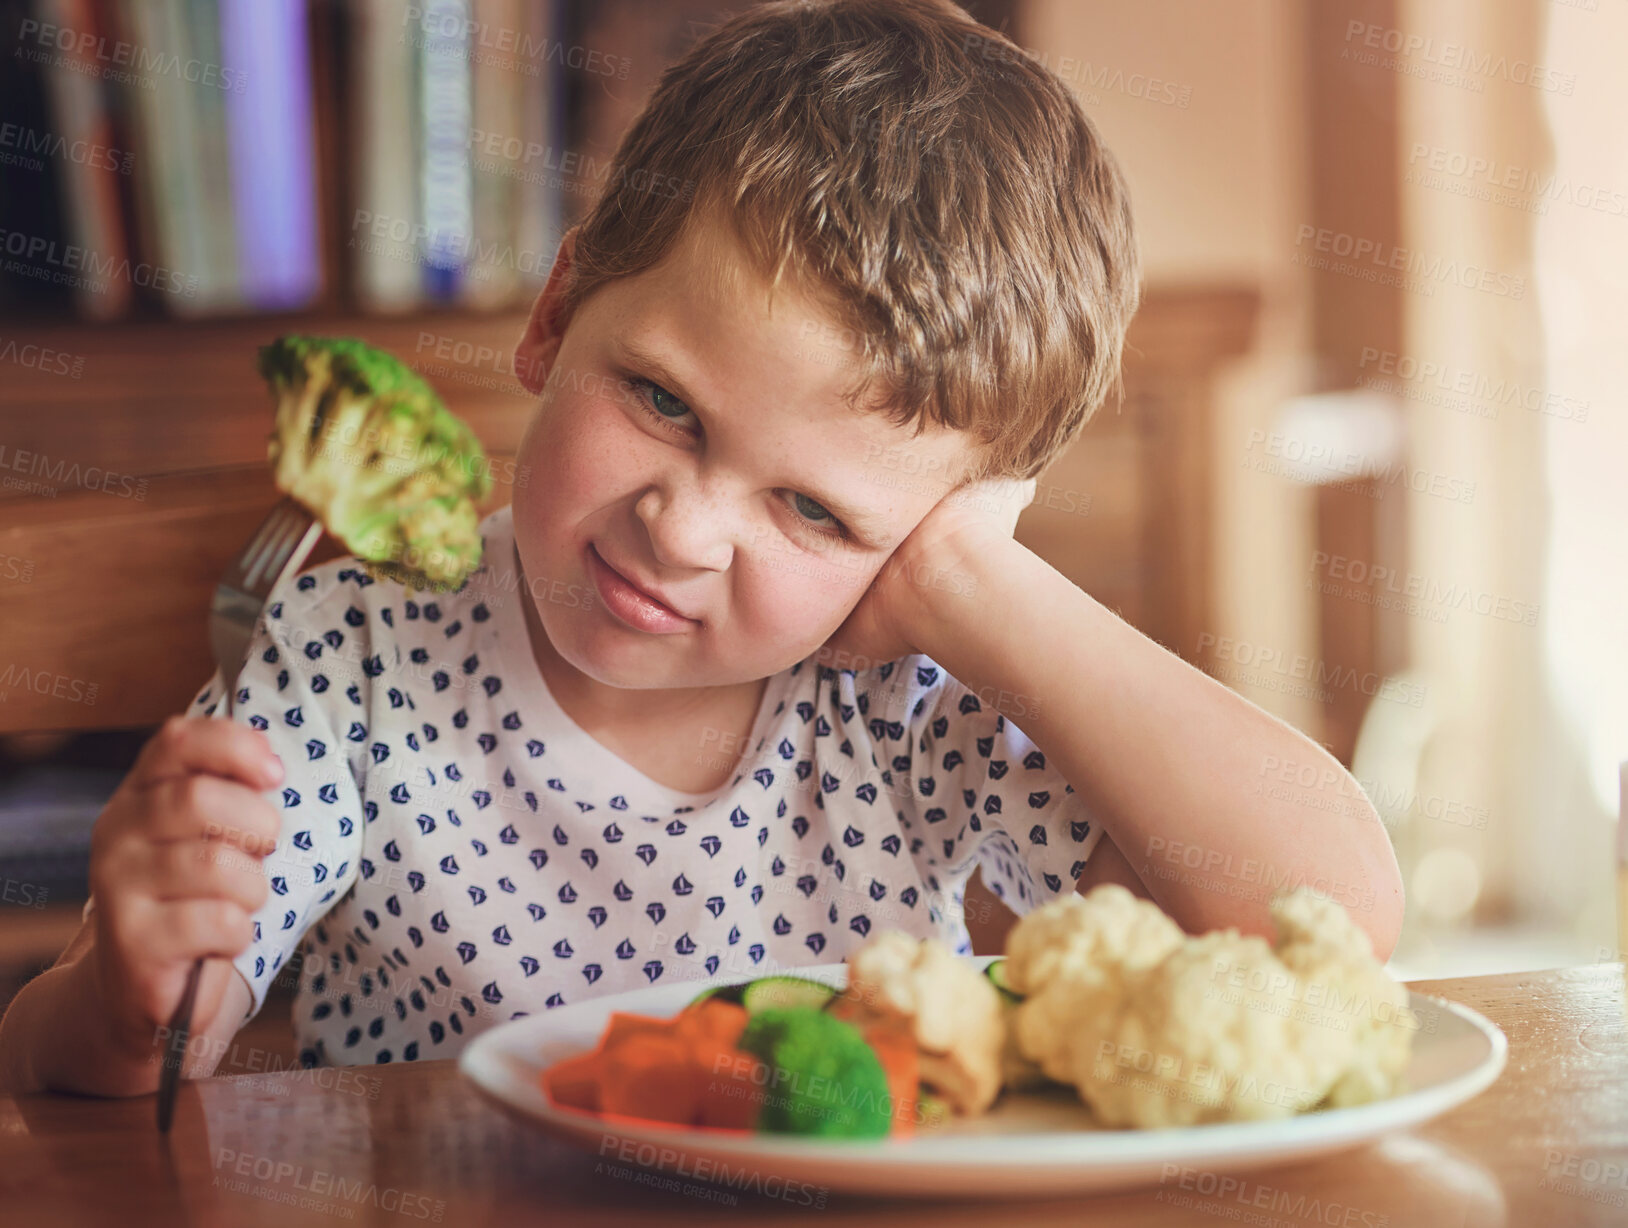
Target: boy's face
700,445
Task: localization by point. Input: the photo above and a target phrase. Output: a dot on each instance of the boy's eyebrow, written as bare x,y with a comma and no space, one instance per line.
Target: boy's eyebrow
866,524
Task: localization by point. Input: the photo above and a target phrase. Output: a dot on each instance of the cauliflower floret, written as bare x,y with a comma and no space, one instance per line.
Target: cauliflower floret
1084,935
1155,1032
952,1009
1018,1073
1203,1036
1339,978
1070,958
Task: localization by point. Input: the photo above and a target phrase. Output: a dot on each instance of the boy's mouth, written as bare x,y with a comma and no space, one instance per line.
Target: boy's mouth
632,602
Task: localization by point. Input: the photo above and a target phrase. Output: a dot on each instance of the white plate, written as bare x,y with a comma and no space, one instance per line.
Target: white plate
1027,1146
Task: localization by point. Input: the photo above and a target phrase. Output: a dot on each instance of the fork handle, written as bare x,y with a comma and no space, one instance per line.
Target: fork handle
180,1032
169,1077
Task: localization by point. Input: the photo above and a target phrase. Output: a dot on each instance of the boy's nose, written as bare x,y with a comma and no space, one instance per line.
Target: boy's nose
691,528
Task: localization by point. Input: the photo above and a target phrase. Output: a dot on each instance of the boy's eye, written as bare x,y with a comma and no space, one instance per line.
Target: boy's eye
660,403
820,518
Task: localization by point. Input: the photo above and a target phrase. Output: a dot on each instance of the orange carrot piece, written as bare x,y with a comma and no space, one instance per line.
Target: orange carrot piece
651,1077
574,1082
847,1009
712,1020
729,1087
895,1048
685,1070
622,1024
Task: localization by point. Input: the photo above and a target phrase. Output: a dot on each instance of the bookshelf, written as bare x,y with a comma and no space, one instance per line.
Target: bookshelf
193,159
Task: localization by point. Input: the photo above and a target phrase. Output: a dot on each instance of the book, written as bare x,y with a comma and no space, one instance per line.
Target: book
272,151
497,154
87,161
540,210
187,271
385,217
34,268
444,48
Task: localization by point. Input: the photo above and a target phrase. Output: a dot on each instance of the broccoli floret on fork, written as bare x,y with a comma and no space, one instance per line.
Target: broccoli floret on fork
365,445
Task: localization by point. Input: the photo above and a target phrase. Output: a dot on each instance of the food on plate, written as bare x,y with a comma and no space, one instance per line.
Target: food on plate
1155,1028
1102,992
686,1070
765,1056
951,1009
825,1079
369,449
1018,1073
1318,943
1083,942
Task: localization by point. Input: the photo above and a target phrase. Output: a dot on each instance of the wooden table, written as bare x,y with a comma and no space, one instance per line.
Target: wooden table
1546,1144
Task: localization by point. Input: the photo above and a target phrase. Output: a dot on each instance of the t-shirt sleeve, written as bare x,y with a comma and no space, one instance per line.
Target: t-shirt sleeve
975,787
315,718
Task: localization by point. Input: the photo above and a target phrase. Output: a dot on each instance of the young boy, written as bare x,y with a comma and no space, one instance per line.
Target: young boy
753,667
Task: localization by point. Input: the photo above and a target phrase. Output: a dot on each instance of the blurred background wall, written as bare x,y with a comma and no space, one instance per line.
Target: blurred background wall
1368,470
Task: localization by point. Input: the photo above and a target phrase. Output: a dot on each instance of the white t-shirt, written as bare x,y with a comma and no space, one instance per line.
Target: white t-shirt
456,852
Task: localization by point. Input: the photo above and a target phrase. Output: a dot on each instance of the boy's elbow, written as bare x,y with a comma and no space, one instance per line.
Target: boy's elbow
1382,919
1385,925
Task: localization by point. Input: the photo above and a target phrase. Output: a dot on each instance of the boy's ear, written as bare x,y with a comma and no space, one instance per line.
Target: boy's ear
535,351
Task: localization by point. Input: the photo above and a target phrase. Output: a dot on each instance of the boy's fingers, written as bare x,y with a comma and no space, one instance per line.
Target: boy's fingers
206,869
184,745
208,807
197,927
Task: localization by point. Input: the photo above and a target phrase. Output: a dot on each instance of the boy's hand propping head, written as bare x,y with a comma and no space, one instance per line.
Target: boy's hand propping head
175,869
928,566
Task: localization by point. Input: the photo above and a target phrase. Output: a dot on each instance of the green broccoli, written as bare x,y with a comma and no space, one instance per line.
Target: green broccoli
368,447
824,1079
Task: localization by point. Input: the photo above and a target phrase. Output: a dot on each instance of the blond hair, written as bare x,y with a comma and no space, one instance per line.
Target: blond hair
944,193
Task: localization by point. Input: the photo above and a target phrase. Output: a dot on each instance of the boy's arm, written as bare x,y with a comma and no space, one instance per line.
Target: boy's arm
1108,865
1170,761
52,1038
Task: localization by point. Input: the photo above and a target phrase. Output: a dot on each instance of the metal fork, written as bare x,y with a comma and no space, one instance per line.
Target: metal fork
274,553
